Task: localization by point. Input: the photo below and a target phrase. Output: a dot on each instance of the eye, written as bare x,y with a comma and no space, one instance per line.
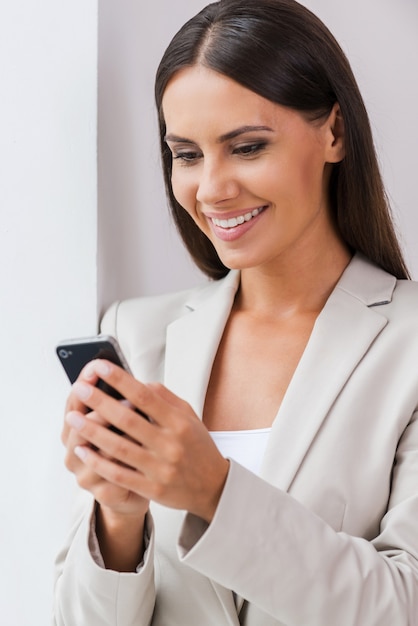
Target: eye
250,149
187,158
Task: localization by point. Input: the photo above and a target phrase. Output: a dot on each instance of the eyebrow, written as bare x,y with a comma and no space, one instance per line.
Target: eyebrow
226,137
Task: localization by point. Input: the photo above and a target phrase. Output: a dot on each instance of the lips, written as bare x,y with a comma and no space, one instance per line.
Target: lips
232,228
232,222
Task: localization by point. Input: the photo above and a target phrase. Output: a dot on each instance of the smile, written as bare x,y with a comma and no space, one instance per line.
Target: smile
232,222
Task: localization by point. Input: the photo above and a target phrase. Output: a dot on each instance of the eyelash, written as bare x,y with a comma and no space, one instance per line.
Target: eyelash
250,149
187,158
246,150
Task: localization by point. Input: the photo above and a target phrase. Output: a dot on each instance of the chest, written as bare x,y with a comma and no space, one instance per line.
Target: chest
252,369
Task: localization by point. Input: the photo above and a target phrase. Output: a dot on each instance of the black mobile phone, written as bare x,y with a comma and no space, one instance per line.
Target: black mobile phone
74,354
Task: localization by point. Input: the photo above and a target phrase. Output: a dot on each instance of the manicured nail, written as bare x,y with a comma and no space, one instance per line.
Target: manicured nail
102,368
76,420
81,452
82,390
89,372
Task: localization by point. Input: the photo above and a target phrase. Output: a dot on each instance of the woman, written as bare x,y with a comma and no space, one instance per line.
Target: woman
275,481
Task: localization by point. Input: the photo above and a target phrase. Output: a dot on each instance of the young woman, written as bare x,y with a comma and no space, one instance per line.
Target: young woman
276,480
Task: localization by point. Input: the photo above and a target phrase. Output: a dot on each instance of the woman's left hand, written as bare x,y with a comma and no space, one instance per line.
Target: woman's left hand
170,459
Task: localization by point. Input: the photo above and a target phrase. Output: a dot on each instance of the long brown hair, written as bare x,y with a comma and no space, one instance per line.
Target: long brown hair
283,52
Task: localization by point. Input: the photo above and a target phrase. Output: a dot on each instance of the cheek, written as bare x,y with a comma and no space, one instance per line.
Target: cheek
304,179
183,190
312,171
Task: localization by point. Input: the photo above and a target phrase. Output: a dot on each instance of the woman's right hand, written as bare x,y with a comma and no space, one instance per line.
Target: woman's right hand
120,513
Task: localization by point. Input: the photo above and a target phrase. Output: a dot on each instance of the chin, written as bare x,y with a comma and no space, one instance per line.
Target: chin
238,262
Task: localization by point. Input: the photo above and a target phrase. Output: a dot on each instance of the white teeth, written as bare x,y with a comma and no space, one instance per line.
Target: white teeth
235,221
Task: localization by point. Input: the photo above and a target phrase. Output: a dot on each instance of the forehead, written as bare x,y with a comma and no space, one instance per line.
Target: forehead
199,98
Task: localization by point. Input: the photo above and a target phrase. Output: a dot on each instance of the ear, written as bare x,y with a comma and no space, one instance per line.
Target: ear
335,149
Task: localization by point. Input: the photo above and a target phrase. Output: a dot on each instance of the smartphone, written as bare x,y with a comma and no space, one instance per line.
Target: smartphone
74,354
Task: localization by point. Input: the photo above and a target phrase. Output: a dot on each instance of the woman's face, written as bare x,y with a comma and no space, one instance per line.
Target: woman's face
252,174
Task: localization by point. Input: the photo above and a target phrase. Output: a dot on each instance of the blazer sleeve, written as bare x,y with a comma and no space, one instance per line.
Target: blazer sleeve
289,563
86,593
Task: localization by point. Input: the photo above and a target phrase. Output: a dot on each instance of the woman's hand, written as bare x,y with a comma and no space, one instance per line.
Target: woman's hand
110,496
170,459
120,513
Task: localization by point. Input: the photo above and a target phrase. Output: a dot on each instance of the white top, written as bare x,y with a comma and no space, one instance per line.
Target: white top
247,447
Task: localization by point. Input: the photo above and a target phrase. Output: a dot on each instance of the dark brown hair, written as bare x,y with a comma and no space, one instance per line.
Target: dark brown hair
283,52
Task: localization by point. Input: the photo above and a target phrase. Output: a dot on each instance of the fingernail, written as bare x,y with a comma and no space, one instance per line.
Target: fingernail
82,390
76,420
89,372
81,452
102,368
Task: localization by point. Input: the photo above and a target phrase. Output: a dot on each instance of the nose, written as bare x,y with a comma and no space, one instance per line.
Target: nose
217,183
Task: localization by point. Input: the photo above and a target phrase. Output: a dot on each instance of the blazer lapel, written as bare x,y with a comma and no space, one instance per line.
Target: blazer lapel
193,340
343,332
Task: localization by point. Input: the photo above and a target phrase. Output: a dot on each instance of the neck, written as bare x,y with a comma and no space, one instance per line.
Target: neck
294,285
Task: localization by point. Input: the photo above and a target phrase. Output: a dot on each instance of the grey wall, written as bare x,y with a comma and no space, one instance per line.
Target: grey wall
139,251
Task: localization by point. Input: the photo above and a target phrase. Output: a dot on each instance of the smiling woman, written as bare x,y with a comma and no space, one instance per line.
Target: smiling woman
273,483
287,57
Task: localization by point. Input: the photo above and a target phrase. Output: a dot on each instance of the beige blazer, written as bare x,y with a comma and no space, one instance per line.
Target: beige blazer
328,534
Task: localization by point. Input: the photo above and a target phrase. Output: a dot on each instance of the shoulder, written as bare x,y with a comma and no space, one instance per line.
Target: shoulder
154,310
162,309
140,324
404,303
376,288
406,291
144,317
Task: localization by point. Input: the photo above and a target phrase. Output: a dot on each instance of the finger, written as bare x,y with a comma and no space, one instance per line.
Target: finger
114,473
74,439
102,490
91,415
117,413
71,436
120,448
154,400
86,478
95,372
125,382
74,403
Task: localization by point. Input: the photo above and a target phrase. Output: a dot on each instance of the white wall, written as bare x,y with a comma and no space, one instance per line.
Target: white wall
139,252
48,233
